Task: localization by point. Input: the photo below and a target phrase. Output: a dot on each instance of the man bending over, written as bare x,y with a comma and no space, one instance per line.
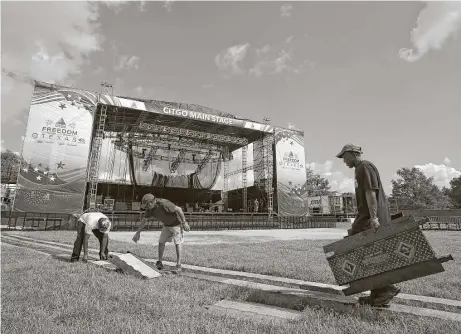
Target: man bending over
91,223
174,222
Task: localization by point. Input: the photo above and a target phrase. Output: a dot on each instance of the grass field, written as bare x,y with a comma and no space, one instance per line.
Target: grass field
300,259
60,297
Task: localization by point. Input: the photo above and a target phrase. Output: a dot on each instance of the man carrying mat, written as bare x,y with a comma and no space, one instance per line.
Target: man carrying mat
372,210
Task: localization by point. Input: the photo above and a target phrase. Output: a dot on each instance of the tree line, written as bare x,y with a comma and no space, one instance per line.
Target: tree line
411,189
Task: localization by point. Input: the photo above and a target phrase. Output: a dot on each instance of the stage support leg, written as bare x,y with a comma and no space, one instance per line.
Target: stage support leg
269,162
226,178
244,177
96,155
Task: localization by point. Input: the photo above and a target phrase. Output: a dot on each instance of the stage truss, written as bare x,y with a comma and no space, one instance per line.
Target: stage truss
153,137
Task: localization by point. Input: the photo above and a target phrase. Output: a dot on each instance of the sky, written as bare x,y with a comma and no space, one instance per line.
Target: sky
383,75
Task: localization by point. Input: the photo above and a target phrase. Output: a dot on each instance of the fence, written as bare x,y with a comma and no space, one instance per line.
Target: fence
197,221
447,223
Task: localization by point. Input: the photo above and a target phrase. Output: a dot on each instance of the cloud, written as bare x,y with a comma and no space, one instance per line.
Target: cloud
44,41
228,61
275,66
442,174
142,6
447,161
285,10
435,24
338,180
262,51
289,39
168,4
127,62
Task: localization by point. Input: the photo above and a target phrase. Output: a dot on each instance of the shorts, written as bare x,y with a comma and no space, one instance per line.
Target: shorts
171,233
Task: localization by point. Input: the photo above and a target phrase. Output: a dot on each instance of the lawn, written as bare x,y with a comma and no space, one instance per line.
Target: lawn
298,259
43,295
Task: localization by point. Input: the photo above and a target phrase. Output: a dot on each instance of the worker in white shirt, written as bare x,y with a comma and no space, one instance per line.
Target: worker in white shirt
88,223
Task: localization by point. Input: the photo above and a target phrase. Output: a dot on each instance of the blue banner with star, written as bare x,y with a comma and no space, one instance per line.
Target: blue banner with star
291,173
55,151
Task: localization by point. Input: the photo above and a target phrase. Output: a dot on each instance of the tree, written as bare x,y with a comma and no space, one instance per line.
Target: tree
316,185
10,166
415,190
454,192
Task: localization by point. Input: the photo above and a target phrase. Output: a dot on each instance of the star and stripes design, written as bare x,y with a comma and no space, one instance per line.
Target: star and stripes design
41,175
298,190
66,97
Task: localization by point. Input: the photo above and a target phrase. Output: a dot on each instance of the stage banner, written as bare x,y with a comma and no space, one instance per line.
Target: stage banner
185,110
54,159
291,173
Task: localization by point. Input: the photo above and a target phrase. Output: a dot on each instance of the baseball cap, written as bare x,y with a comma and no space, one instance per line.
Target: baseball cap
146,198
349,148
103,224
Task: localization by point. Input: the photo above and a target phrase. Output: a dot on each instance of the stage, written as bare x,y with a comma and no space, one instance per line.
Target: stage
97,151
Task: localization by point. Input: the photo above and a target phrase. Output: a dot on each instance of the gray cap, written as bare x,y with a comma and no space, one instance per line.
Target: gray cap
146,198
349,148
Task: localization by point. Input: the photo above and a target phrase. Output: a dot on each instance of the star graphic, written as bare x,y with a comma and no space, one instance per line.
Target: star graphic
25,169
39,177
39,165
47,168
291,143
52,178
45,172
62,106
61,165
69,96
49,122
36,169
73,103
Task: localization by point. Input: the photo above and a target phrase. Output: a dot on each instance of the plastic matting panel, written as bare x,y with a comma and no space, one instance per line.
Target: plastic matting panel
401,250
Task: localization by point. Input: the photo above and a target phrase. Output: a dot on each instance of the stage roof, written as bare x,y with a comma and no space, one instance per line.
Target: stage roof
125,120
126,114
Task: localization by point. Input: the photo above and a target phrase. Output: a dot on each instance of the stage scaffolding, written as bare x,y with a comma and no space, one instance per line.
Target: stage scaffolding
188,140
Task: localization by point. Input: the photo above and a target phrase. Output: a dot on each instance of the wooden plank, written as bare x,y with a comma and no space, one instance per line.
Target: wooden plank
286,297
370,236
306,285
93,254
425,312
334,302
131,265
313,286
8,244
51,244
417,270
425,299
240,308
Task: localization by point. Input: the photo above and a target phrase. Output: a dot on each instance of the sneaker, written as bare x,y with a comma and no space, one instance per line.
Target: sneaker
386,296
159,265
74,259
